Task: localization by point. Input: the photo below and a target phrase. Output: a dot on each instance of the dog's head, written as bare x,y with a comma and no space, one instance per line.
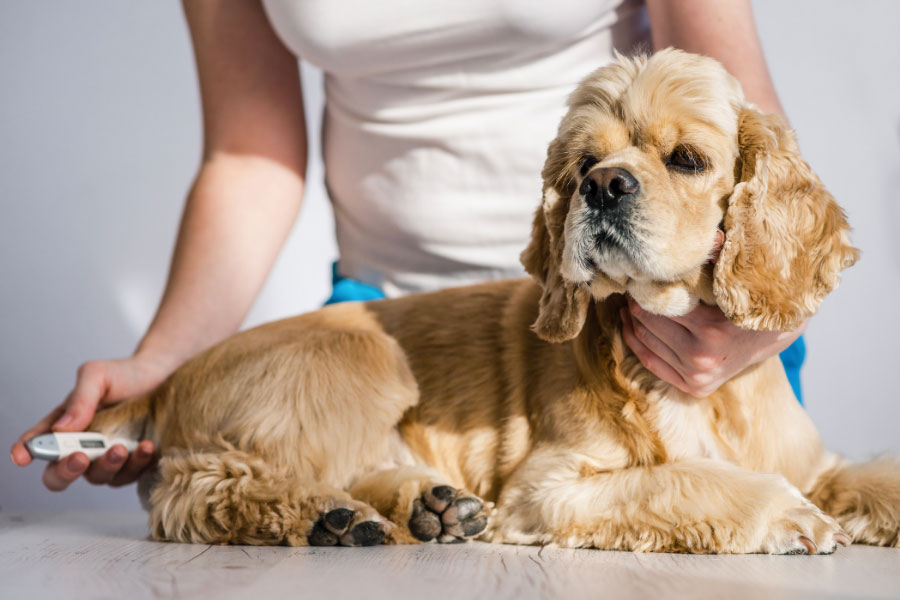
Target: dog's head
654,157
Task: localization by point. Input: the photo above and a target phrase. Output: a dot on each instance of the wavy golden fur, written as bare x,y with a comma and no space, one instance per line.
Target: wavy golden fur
513,411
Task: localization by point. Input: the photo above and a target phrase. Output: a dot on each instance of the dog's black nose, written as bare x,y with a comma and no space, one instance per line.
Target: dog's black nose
606,188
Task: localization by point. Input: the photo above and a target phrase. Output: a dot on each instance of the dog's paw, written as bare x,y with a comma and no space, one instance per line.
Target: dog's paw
805,530
348,527
448,515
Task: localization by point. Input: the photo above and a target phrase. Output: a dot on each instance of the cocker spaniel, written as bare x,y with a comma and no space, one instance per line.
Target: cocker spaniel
513,411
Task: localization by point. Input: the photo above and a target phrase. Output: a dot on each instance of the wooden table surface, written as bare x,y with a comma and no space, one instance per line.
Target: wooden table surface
107,555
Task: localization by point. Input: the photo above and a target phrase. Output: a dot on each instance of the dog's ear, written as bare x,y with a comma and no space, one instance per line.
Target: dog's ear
786,239
563,305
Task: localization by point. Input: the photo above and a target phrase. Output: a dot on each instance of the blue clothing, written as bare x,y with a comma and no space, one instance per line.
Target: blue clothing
347,290
792,359
344,289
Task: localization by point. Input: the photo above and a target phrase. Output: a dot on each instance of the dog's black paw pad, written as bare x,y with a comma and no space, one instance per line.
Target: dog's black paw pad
338,519
346,527
474,526
439,497
424,524
447,515
462,509
319,536
367,533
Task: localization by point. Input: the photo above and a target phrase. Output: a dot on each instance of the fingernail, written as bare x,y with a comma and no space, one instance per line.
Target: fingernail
116,456
63,421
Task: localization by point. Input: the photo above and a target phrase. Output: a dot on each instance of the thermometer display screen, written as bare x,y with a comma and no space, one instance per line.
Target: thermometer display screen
91,443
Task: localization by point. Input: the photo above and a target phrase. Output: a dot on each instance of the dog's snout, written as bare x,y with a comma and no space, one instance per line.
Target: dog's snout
608,187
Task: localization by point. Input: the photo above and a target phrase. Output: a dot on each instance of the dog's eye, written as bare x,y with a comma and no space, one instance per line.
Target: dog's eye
586,163
686,159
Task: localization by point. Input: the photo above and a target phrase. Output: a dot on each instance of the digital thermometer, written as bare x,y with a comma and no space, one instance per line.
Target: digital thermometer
56,446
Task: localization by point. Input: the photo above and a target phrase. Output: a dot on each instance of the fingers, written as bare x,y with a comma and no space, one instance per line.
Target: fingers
653,343
19,454
60,474
90,387
74,414
660,334
117,468
651,361
104,468
139,460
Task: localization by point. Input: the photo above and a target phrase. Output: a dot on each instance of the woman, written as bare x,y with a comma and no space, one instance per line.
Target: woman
437,119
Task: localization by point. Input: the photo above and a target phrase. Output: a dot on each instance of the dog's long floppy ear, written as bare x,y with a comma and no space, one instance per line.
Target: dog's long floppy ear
563,306
786,239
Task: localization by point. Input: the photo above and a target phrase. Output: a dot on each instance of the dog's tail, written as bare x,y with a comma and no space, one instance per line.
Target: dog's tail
130,419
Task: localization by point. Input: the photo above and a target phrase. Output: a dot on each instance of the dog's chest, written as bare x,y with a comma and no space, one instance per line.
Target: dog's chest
684,425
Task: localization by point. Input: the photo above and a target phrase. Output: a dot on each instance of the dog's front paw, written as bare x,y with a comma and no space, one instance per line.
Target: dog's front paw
804,529
348,527
447,515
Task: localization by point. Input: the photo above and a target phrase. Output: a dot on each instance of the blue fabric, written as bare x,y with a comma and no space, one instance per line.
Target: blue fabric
344,289
792,359
350,290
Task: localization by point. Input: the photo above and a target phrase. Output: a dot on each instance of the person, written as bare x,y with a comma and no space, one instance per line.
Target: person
437,119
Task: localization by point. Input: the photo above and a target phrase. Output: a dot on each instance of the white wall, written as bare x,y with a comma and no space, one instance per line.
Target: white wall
99,139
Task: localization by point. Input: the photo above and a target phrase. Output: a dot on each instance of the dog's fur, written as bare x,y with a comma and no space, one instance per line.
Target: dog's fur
513,410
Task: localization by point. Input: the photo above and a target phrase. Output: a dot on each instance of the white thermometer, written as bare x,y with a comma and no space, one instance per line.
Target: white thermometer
56,446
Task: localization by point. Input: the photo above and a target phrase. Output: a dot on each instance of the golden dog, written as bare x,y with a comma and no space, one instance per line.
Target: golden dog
513,411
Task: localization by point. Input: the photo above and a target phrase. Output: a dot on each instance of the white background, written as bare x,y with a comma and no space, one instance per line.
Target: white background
100,138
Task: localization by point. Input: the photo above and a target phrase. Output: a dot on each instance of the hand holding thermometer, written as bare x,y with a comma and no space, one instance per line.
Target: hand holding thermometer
56,446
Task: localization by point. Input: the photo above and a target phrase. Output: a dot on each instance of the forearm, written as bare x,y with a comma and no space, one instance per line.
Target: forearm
238,214
722,29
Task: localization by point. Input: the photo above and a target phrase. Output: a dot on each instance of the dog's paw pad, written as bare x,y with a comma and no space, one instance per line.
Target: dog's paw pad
366,533
447,515
424,524
345,527
337,520
320,536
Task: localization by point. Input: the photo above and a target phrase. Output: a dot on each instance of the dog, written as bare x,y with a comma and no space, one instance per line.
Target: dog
513,411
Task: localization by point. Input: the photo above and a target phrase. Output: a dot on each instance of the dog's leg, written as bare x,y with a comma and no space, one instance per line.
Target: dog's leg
232,497
864,498
423,506
699,506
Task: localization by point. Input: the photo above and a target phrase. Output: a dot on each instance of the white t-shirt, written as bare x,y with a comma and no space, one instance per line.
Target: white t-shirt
438,114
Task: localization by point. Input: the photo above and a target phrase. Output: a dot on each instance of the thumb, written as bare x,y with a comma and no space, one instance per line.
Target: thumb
82,402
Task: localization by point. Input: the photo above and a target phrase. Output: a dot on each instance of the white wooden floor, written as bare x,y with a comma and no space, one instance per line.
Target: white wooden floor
107,555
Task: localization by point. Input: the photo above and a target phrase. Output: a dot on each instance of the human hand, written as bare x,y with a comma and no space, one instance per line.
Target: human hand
98,383
701,350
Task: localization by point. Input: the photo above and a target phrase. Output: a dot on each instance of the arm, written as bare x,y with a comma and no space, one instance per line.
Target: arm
701,350
240,210
722,29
